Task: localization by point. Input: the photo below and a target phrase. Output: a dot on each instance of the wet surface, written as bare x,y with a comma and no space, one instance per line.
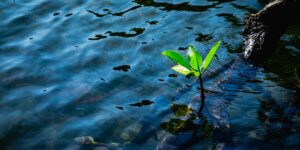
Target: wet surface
83,68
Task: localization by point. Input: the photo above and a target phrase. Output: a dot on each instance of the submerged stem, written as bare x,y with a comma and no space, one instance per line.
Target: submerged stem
202,94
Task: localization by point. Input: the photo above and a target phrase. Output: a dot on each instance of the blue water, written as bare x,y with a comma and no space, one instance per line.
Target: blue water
58,79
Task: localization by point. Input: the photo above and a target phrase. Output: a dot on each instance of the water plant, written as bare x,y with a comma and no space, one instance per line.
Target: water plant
193,65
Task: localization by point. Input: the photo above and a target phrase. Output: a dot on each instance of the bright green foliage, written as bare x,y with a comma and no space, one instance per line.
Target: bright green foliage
176,57
194,58
210,55
196,66
182,70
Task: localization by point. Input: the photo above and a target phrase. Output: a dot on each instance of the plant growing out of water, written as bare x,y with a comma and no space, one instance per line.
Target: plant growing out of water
194,65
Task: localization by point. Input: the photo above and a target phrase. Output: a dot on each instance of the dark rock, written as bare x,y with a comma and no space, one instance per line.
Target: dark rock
263,29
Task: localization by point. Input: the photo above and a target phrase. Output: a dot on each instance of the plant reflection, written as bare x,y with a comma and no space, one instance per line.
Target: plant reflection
193,128
180,110
185,132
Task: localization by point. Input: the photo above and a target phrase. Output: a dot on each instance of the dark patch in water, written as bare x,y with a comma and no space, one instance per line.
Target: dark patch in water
144,42
185,6
236,49
96,14
182,48
172,75
142,103
69,15
137,31
161,80
250,10
124,68
31,38
121,108
188,85
122,13
152,22
255,81
203,37
231,18
114,14
102,79
189,28
55,14
98,37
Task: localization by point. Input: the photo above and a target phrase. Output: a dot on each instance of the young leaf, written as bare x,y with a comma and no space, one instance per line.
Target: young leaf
210,56
194,58
196,74
182,70
176,57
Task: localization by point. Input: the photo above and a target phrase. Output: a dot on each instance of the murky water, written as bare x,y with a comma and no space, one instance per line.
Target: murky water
77,68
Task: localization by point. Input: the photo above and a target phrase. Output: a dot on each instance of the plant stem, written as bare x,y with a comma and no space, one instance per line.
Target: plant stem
202,94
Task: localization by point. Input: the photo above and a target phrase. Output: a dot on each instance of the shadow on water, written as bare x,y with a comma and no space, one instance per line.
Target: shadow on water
185,6
137,31
114,14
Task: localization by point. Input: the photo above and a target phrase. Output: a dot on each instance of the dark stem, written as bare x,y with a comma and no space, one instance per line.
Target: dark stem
202,95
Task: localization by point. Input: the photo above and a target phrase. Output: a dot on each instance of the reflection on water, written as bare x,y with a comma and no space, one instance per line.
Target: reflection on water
73,69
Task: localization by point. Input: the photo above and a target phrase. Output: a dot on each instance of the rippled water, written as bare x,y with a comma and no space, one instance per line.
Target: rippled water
94,68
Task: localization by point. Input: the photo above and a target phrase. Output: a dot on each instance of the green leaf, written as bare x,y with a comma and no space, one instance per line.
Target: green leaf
210,56
196,74
176,57
194,58
182,70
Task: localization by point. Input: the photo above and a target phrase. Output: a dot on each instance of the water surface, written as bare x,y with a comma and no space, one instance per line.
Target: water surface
94,68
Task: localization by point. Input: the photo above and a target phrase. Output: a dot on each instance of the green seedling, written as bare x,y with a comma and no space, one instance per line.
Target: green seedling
193,65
